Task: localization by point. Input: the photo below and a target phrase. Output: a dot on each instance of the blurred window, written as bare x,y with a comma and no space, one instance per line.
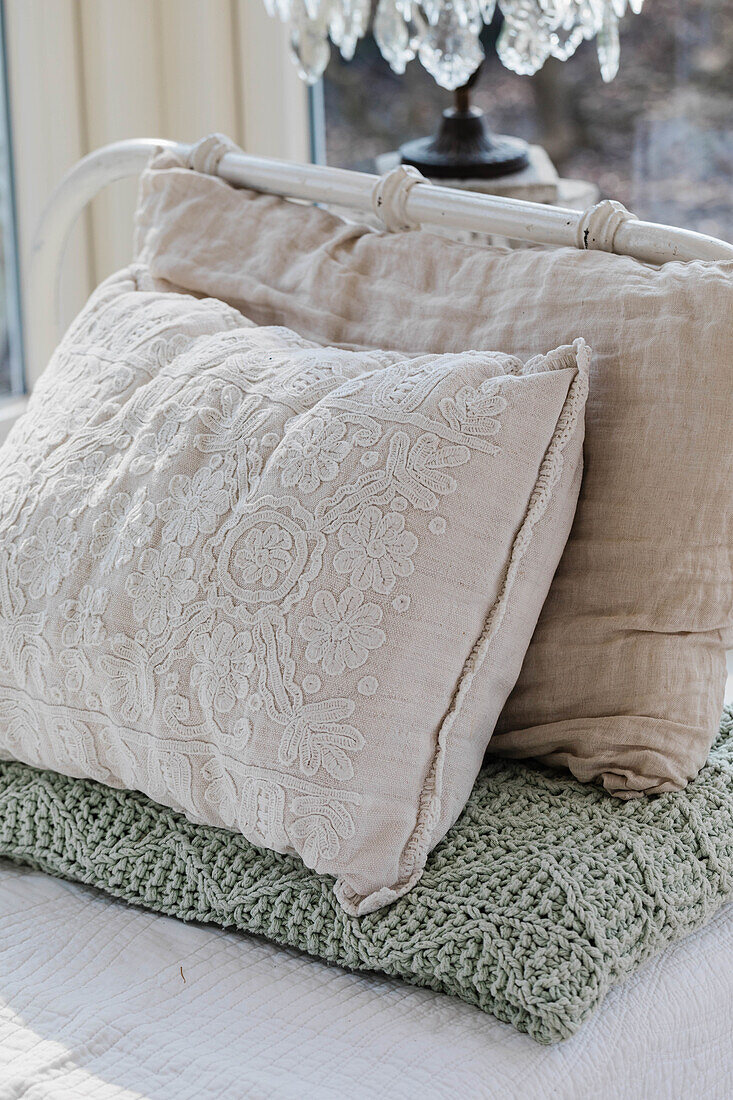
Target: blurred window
11,353
659,138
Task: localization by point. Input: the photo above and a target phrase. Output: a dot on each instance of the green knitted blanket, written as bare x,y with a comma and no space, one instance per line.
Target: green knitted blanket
543,895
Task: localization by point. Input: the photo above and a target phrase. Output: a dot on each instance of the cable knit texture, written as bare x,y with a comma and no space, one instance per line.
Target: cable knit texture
544,894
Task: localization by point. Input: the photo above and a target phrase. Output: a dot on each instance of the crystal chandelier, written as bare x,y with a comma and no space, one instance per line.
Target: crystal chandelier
444,34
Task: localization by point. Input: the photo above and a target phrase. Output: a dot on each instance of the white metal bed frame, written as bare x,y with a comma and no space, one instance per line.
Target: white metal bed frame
401,199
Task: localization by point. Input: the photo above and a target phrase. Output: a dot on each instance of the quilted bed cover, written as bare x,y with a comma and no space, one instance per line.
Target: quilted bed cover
103,1001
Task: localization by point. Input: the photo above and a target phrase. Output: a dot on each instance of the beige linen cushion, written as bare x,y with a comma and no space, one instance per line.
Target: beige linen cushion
625,675
282,588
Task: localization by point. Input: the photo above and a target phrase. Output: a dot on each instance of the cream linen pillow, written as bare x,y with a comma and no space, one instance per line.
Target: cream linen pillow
625,674
281,588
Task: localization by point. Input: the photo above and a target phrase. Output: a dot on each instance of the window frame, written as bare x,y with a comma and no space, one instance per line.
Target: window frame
11,254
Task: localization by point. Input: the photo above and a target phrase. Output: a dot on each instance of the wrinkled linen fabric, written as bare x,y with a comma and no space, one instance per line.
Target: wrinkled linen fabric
542,897
625,673
281,588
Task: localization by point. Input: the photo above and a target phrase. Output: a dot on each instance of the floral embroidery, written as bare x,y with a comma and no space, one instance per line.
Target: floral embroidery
81,482
375,550
118,379
157,449
312,453
84,625
24,648
223,663
13,487
340,635
437,525
317,736
264,555
48,556
321,826
128,687
161,587
367,685
474,412
234,427
121,530
263,807
76,669
288,554
194,505
419,468
161,352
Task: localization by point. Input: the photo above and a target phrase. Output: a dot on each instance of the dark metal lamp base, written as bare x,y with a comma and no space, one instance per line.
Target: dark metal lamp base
463,148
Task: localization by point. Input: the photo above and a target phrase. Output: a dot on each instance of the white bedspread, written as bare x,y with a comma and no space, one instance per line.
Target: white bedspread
99,1000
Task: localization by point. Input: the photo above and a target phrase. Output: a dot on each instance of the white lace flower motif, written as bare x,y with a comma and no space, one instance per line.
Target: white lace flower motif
264,554
340,634
121,530
223,662
47,556
194,505
475,412
234,426
312,453
159,353
155,449
161,587
81,483
375,550
13,487
83,617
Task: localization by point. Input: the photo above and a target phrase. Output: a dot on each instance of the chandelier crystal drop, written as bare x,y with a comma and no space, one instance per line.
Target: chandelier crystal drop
444,34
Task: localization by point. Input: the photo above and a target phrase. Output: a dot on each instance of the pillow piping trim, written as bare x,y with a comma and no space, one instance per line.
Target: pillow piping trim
415,851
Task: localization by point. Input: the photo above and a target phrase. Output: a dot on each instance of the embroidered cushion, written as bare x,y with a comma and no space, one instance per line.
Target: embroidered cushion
278,587
625,675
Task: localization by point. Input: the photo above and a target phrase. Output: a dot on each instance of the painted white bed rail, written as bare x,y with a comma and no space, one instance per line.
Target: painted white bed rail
402,199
